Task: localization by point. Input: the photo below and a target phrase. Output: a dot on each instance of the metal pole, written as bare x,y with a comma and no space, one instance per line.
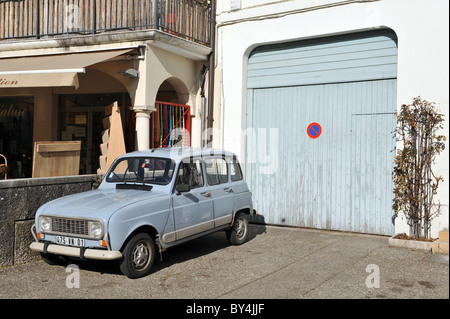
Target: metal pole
38,19
212,59
202,119
94,17
155,14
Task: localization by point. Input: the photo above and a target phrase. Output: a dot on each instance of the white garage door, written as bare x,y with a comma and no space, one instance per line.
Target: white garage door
340,180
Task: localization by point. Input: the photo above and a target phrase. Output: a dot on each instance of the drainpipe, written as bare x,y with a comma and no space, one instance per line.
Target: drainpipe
202,94
212,59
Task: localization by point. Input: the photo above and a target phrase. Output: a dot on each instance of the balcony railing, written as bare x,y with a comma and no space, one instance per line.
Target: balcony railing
188,19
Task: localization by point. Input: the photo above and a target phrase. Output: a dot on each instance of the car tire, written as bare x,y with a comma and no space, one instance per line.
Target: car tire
238,233
138,256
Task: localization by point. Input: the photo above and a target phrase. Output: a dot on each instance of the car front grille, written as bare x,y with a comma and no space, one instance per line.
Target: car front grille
70,226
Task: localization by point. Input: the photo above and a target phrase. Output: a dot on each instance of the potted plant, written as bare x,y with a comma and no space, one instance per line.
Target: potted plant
415,182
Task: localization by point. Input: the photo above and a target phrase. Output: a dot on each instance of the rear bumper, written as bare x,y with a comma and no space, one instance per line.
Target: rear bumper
76,252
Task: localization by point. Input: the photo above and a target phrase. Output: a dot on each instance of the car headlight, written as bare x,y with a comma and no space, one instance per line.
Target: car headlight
96,230
45,223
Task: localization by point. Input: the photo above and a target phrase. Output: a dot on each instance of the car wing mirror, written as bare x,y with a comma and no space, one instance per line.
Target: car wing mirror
182,188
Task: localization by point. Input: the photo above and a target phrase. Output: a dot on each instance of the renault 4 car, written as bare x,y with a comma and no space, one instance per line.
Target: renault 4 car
147,202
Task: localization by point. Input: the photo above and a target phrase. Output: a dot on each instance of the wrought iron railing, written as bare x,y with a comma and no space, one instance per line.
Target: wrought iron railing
188,19
170,125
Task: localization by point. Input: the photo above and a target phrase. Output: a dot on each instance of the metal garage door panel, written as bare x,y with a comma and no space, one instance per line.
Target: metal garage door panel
373,151
315,182
355,57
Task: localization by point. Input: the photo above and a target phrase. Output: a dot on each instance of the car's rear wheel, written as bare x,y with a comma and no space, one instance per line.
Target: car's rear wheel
138,256
238,233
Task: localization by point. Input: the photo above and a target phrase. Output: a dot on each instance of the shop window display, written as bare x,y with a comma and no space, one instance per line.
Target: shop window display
81,119
16,135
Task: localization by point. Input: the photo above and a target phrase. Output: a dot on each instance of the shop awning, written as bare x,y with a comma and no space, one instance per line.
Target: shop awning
50,70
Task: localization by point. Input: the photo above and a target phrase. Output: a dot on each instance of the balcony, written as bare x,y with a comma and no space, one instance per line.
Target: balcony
39,19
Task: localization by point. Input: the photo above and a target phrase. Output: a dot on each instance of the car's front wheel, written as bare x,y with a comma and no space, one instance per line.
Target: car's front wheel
138,256
238,233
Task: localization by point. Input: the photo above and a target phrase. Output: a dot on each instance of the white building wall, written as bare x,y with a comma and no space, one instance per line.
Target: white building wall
422,28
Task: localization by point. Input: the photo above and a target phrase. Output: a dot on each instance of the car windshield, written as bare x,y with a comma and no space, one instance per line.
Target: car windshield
150,170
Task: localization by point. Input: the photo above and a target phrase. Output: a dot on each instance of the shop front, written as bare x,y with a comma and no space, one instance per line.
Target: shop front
63,97
80,118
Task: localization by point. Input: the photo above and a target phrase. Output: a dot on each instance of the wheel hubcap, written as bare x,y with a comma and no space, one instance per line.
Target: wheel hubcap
140,255
241,228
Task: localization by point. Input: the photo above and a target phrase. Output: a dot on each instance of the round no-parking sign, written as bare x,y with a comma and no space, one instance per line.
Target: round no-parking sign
314,130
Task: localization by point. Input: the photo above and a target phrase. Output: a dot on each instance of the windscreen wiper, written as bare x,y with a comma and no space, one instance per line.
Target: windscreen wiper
139,187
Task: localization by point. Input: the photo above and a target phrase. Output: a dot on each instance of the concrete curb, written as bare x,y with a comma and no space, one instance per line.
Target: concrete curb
410,244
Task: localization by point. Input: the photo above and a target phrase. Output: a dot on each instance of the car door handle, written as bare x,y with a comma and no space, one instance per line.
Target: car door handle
206,194
228,189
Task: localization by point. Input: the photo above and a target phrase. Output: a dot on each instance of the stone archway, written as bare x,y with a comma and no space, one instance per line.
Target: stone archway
173,90
170,122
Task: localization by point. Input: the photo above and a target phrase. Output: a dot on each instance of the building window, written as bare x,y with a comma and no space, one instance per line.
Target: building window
16,134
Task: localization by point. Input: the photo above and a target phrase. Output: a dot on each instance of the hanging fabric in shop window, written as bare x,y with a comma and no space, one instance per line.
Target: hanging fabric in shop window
170,125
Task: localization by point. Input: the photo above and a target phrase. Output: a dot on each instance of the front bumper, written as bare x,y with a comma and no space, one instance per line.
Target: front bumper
68,251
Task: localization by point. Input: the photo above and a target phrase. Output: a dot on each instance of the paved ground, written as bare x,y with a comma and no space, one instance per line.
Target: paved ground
276,262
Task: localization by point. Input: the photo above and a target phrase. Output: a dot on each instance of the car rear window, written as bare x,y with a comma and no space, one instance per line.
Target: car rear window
235,171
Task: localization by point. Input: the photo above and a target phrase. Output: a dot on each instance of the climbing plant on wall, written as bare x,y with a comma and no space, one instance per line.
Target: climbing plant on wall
415,182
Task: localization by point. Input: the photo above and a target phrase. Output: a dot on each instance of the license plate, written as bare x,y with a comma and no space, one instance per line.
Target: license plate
70,241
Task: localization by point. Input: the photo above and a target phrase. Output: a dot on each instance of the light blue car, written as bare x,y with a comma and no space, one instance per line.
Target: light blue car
147,202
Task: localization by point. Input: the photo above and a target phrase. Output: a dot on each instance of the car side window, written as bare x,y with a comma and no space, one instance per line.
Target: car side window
190,173
216,171
235,171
